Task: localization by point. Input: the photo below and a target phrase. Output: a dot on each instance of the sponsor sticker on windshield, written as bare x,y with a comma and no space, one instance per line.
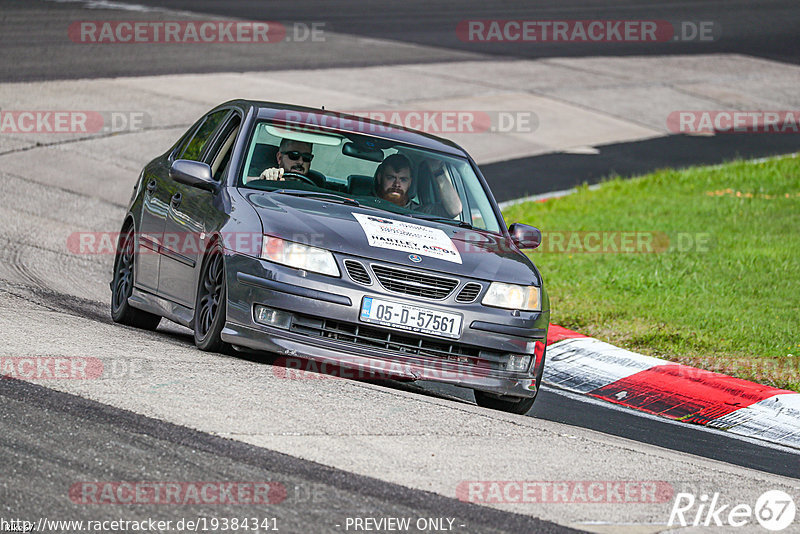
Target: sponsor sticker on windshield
408,237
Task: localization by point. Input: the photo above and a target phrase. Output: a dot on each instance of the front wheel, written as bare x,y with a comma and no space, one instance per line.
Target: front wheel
520,406
122,287
209,310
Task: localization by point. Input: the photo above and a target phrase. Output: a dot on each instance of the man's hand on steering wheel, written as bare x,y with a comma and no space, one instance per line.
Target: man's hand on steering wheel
272,174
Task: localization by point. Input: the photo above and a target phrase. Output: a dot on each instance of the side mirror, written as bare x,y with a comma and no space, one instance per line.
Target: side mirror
193,173
525,236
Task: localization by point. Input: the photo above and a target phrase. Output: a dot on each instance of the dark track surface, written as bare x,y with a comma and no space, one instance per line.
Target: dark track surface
50,440
766,29
716,445
555,172
35,44
46,449
553,405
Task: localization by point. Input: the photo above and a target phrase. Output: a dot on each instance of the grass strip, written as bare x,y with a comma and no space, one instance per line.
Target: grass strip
698,266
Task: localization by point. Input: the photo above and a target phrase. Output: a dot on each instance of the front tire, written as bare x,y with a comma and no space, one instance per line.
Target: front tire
212,297
122,287
519,406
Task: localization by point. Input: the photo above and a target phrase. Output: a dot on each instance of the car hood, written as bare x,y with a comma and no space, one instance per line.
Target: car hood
356,231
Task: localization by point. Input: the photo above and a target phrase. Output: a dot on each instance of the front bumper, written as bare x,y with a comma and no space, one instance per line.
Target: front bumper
325,327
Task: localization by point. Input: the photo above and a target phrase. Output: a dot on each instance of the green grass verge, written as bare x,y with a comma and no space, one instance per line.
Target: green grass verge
720,292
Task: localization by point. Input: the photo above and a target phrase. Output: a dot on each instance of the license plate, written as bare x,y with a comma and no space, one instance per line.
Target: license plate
414,318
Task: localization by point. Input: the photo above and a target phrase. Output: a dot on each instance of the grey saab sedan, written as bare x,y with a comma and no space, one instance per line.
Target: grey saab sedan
271,227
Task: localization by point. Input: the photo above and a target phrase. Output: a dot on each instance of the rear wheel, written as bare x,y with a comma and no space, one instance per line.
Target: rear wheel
209,310
122,287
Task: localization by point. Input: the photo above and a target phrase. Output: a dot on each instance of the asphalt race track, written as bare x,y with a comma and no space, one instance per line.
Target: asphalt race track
51,442
560,171
335,449
766,29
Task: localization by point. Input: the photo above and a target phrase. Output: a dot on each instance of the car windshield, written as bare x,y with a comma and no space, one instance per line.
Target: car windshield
365,169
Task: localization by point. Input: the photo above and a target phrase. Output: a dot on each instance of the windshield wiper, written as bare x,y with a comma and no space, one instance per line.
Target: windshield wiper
318,194
436,218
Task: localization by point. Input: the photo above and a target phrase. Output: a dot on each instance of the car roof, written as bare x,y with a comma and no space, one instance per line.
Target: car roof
334,121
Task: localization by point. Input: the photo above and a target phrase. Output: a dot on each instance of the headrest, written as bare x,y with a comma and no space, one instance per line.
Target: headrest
424,184
360,184
264,157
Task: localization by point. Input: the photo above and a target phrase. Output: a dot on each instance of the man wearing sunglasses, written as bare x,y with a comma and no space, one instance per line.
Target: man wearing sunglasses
292,156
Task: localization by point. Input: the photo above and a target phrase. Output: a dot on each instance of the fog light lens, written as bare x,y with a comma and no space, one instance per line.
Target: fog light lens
518,363
272,317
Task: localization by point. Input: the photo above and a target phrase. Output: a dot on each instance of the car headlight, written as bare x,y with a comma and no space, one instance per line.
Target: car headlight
299,256
513,297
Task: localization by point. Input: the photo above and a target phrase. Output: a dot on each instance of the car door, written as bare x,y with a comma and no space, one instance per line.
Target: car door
191,209
155,203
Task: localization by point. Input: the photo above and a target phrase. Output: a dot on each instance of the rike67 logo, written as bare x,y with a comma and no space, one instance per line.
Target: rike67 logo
774,510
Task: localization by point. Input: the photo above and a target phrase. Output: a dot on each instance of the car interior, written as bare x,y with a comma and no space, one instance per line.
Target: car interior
350,163
264,157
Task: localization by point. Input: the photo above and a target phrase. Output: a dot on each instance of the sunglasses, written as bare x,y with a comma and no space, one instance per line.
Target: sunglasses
294,155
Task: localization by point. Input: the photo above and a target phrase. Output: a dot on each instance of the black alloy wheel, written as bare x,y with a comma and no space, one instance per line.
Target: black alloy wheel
122,286
209,308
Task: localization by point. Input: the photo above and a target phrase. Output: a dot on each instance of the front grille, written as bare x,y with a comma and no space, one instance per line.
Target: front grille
404,343
357,271
469,292
414,283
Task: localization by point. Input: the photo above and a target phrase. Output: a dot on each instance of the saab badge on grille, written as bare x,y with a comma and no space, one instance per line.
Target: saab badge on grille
415,258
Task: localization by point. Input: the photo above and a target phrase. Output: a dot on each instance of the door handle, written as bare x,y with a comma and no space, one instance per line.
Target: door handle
176,200
151,186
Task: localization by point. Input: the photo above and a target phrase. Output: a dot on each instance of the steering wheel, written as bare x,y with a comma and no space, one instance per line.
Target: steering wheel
303,177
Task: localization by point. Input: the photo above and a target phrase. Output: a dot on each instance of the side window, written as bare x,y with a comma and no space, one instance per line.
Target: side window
220,155
180,146
457,182
195,148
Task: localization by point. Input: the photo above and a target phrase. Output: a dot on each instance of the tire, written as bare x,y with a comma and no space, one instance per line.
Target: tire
487,400
122,286
209,309
520,406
